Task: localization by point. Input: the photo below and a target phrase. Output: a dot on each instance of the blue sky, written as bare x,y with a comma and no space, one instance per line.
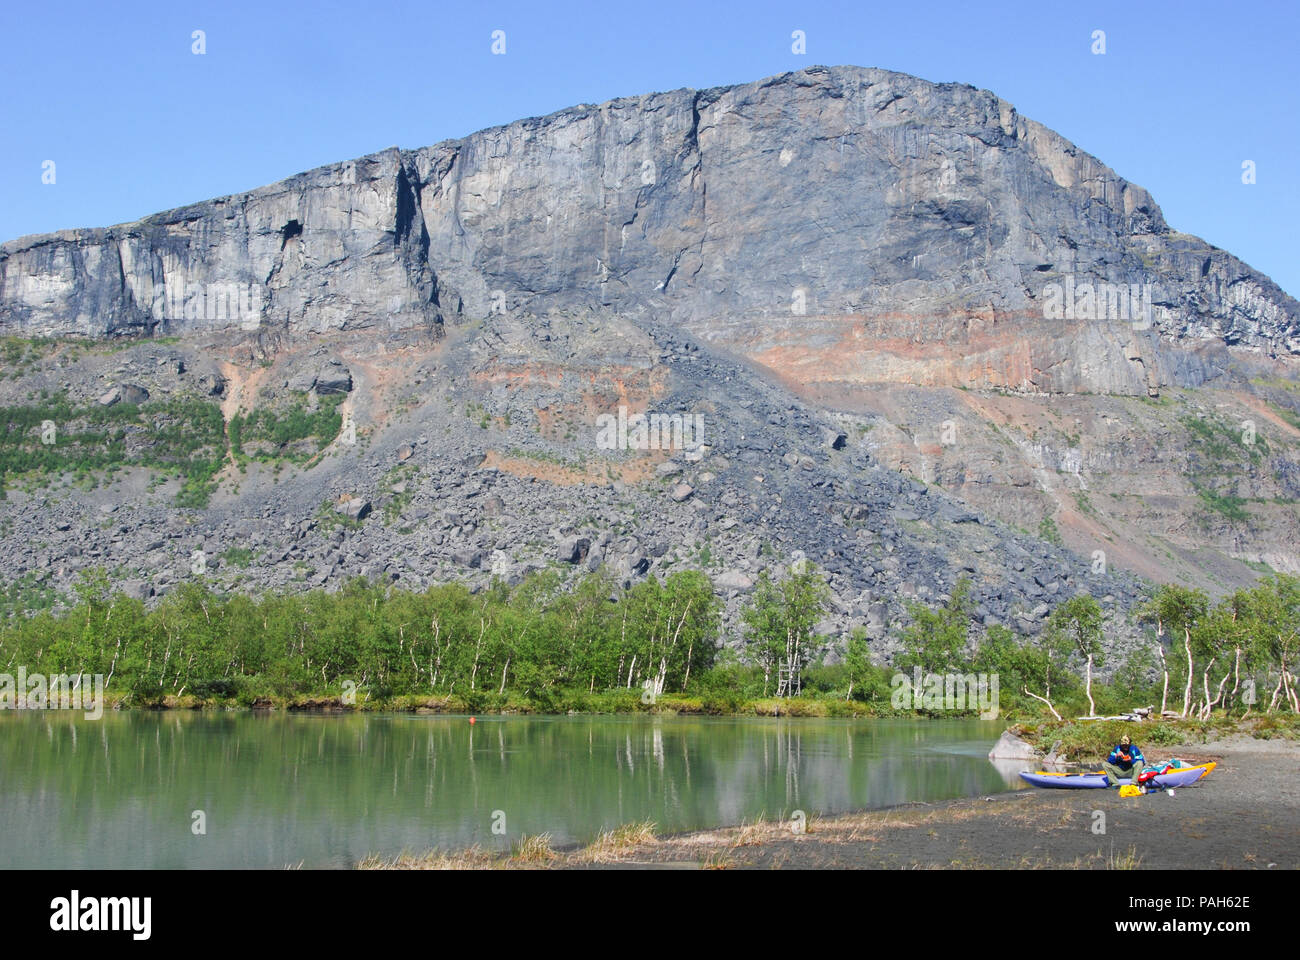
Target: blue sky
137,123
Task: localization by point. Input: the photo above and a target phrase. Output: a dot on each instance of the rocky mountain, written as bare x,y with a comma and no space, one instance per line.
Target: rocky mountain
925,337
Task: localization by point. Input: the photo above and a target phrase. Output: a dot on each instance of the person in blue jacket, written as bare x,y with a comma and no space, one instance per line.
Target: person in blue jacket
1124,763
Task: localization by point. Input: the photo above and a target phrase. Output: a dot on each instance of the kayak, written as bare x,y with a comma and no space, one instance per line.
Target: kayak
1175,777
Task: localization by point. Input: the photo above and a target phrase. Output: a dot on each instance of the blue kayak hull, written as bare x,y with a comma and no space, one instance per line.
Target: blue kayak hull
1077,781
1179,777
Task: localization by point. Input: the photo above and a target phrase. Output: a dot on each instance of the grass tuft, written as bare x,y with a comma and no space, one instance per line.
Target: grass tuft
533,849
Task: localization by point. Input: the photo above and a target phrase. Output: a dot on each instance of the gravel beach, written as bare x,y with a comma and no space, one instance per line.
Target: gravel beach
1244,815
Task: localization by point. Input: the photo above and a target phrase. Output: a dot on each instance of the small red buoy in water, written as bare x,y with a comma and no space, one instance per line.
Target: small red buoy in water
471,719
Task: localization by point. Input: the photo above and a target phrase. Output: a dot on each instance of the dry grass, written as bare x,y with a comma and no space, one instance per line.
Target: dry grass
855,836
527,851
753,834
633,834
1125,861
617,843
718,860
471,858
533,849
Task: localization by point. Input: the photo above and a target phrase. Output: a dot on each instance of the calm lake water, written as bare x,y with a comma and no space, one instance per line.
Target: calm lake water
324,791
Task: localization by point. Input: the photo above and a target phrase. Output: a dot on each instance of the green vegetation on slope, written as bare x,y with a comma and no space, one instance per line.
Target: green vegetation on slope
182,436
1220,454
292,433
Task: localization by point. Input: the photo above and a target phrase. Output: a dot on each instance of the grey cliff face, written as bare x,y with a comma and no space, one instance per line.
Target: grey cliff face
824,203
341,248
809,263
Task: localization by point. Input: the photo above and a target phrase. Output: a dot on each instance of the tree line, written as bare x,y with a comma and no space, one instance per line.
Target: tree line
1234,656
546,645
534,640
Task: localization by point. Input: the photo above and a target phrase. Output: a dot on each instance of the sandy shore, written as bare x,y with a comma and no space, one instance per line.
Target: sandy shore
1244,815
